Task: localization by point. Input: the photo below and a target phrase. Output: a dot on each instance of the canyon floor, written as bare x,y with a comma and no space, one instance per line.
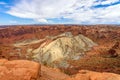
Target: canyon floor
60,52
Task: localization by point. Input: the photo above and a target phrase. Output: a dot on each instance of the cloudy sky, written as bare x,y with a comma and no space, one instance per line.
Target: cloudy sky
59,12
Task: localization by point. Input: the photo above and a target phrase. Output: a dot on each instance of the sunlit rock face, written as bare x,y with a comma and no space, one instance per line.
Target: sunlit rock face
48,73
90,75
19,70
62,47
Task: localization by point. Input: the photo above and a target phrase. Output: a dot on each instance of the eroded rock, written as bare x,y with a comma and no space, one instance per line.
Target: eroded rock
62,47
19,70
90,75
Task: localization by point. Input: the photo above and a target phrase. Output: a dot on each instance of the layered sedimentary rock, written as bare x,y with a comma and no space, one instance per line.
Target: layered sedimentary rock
19,70
62,47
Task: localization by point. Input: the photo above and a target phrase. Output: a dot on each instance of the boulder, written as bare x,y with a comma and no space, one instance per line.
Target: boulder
19,70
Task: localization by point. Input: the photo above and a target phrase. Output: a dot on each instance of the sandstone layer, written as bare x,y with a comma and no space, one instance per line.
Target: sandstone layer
19,70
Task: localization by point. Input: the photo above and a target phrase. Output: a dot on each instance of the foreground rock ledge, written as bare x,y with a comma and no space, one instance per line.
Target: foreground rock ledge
90,75
19,70
48,73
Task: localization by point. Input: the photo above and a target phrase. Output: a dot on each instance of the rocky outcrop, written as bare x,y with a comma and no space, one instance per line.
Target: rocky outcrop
19,70
48,73
64,46
89,75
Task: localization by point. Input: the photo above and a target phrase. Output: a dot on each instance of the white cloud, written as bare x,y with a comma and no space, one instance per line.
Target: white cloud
109,2
78,10
2,3
42,20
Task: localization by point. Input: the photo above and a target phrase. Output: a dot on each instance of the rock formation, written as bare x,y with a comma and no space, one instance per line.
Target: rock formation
62,47
32,43
28,70
48,73
89,75
19,70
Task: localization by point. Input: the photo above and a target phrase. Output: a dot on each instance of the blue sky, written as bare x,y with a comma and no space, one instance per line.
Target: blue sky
7,19
59,12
